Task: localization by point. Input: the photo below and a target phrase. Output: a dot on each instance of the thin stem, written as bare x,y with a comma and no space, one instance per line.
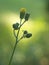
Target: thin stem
14,49
15,45
20,39
14,33
22,23
12,53
19,28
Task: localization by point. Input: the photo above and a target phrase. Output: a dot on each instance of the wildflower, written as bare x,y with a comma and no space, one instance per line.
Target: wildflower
22,13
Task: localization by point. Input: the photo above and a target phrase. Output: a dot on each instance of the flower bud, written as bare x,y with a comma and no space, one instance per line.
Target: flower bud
27,16
22,13
25,32
15,26
28,35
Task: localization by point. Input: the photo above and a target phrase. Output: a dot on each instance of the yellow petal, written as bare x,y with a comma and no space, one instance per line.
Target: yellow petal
22,10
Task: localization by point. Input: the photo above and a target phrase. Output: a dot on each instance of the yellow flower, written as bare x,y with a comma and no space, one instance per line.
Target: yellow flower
23,10
22,13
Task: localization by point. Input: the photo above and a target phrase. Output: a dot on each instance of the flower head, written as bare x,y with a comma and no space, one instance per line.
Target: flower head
22,10
22,13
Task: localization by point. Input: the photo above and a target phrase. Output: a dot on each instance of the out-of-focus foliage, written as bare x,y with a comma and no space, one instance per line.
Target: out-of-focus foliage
33,51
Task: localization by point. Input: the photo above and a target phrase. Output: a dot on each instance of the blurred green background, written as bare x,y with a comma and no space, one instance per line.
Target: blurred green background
33,51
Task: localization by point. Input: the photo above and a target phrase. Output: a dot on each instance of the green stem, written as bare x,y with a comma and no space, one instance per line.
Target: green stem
14,33
15,45
14,50
12,53
20,39
22,23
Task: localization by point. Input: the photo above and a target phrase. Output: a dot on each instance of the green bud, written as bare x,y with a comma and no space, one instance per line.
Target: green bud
25,32
22,13
28,35
15,26
27,16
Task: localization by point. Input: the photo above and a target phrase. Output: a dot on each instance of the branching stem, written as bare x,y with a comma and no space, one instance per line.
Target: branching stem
16,41
15,44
